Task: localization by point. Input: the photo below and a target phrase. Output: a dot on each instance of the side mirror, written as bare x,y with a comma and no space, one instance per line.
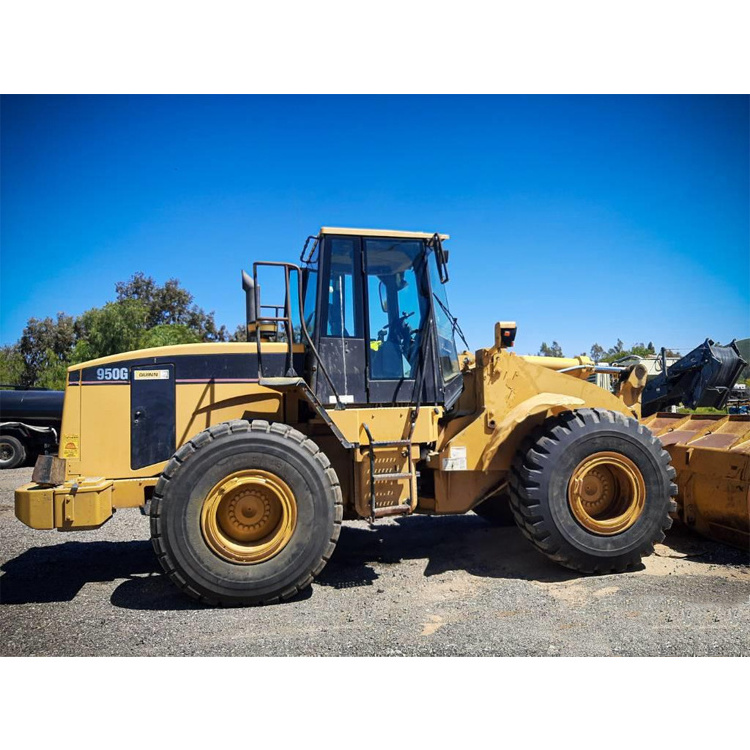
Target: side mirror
383,293
441,256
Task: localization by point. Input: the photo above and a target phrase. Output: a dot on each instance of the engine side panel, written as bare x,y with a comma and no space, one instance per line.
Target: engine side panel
125,415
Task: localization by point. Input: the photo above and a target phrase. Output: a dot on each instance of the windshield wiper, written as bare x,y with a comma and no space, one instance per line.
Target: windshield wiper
454,321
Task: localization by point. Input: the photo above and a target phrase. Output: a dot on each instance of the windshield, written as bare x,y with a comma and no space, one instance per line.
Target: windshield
447,353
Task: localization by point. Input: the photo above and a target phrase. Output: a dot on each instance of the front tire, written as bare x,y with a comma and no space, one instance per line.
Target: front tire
592,490
246,513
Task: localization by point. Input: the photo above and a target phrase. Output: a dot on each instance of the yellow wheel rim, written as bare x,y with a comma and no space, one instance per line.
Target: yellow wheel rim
249,516
606,493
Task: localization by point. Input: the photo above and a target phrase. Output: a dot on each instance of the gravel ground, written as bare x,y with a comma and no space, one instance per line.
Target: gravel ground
419,586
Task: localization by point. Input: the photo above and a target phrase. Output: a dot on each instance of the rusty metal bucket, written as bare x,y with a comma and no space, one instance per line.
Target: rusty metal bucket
711,454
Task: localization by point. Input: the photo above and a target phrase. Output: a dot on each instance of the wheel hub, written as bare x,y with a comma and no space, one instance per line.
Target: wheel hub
606,493
597,490
249,516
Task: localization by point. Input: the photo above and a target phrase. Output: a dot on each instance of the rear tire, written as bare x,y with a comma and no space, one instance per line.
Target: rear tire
591,489
12,452
246,513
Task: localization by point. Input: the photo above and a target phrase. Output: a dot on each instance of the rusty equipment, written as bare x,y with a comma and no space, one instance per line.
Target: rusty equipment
351,400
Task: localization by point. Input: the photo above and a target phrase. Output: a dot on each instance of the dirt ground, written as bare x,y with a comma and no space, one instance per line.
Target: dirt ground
417,586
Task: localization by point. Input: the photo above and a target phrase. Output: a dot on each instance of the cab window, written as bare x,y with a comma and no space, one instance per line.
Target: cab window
340,292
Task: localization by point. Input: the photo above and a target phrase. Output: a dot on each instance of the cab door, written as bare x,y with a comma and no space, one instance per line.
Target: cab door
340,328
399,337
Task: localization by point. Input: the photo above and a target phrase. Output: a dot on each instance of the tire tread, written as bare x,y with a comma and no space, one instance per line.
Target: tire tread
201,440
529,465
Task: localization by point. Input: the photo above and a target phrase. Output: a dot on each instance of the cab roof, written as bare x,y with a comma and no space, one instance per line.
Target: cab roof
381,233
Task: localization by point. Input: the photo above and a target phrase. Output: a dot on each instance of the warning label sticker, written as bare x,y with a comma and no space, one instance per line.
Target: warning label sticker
70,446
456,460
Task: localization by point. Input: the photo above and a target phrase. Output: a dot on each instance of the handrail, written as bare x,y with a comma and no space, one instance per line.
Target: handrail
287,319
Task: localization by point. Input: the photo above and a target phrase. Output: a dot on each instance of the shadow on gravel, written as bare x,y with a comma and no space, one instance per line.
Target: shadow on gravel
681,542
158,594
470,544
57,573
447,543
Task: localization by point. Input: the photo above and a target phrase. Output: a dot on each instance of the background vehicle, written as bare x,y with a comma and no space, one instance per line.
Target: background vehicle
350,399
29,423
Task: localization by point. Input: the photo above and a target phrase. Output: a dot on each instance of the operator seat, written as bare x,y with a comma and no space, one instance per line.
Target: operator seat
386,362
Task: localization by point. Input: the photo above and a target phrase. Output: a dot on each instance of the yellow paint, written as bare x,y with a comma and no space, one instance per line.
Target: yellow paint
510,395
71,425
35,507
562,363
711,455
182,349
200,405
249,516
100,414
381,233
71,506
607,493
93,501
504,397
387,423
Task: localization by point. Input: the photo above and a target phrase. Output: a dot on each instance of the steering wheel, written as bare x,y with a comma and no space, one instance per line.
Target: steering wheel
400,323
401,333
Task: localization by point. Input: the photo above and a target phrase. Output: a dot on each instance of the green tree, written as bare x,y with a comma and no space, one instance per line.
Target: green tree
11,365
54,374
144,315
169,304
45,345
168,335
641,350
618,351
240,333
116,327
551,351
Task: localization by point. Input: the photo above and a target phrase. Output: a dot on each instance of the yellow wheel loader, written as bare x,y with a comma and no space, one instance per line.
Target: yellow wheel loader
350,399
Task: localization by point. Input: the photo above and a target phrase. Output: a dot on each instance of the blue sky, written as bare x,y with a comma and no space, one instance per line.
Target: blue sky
584,219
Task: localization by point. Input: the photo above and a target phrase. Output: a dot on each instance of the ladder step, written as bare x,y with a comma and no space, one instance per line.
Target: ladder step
282,382
389,443
393,510
386,475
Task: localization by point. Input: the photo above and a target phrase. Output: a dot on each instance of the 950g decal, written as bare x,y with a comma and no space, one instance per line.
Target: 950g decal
112,373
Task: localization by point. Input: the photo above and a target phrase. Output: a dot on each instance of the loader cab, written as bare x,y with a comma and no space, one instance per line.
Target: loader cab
376,309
